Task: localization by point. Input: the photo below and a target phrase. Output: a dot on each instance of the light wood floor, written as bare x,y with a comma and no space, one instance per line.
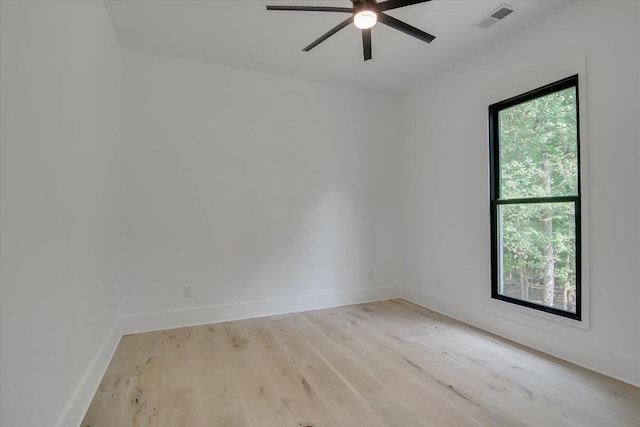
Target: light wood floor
387,363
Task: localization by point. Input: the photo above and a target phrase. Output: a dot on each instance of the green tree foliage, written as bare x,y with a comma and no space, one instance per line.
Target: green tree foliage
539,158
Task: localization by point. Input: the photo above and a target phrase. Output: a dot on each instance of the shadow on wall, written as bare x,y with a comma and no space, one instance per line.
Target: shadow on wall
324,252
251,187
246,245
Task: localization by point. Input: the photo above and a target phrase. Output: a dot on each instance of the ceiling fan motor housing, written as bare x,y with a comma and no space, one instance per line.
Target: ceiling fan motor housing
359,6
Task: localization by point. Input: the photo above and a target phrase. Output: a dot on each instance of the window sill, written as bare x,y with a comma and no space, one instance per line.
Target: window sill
520,314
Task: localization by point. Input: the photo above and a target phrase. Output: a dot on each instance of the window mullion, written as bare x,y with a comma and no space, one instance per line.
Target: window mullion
551,199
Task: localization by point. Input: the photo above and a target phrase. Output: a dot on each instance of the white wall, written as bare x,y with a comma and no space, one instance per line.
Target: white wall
59,205
447,182
252,187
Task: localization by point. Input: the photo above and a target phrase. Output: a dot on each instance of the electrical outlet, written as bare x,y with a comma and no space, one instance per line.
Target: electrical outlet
372,276
187,292
438,282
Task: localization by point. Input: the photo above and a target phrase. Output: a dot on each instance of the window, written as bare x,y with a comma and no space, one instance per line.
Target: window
535,199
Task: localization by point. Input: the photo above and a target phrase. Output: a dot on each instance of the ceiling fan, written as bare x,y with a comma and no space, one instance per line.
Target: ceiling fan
364,15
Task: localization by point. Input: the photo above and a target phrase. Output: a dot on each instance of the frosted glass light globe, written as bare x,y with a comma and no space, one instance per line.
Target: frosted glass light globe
365,19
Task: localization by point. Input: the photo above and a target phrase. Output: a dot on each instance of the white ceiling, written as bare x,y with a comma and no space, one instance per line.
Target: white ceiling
242,33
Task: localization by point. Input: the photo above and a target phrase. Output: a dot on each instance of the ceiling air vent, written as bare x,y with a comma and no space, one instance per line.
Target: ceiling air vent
495,16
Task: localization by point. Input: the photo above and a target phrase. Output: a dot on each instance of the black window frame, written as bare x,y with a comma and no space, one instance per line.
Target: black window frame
496,201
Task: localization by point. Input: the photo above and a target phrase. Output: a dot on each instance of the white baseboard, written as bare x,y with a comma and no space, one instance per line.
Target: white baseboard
145,322
595,358
587,355
77,406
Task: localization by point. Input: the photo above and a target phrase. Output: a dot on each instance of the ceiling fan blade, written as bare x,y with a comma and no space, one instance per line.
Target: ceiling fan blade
366,43
329,33
405,28
394,4
312,8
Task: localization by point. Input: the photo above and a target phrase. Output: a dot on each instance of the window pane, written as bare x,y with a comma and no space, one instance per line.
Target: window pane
538,147
537,253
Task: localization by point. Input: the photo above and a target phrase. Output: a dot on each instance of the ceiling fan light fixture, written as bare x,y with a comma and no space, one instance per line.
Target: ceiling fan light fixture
364,15
365,19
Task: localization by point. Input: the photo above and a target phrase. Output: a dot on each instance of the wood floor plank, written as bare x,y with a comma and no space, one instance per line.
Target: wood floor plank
259,395
433,384
388,363
109,402
218,399
349,368
346,405
554,378
398,375
294,389
559,412
130,391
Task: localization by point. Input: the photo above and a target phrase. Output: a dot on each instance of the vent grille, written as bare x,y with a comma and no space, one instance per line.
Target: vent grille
495,16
